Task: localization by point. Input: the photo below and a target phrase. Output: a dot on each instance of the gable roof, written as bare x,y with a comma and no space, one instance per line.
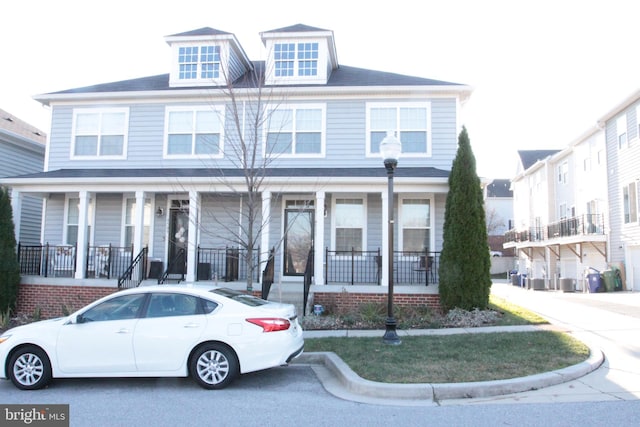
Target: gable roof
204,31
296,28
499,188
530,157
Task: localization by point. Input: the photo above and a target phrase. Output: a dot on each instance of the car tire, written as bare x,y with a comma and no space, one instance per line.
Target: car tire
29,368
213,366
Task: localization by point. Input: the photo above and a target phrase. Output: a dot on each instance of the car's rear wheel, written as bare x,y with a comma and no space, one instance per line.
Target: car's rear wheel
29,368
213,366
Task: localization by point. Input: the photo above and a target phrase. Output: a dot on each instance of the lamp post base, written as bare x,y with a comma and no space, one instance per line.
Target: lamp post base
390,336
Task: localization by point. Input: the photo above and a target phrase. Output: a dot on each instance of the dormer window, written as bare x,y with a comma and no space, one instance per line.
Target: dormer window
295,59
199,62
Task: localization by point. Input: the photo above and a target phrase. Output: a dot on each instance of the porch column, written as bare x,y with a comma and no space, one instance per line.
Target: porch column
83,236
385,239
194,210
138,237
16,207
266,227
318,241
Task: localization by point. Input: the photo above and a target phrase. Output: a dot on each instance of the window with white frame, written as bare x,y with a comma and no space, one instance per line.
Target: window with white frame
563,172
349,228
199,62
415,222
409,121
72,220
130,224
630,202
621,129
295,130
194,131
562,211
295,59
99,133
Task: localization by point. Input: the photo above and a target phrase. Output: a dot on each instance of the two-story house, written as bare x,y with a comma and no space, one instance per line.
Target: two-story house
22,149
559,197
622,132
174,167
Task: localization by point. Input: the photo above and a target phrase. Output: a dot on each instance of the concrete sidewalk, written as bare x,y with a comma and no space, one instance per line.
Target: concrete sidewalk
340,380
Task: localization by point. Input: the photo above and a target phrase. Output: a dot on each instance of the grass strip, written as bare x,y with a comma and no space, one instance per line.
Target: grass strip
455,358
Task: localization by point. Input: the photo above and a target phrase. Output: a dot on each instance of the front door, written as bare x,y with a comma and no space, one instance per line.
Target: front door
298,239
178,236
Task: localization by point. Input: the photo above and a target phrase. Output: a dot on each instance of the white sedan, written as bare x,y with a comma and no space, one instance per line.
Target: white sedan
209,333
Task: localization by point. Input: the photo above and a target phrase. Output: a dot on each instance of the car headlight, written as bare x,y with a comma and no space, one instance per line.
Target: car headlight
3,338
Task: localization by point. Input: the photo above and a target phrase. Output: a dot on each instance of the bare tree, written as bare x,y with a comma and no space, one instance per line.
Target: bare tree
494,221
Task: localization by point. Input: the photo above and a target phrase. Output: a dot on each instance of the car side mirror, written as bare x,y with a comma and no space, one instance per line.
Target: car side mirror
80,319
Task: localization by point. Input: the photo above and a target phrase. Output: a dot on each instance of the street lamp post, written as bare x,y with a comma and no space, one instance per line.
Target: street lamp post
390,148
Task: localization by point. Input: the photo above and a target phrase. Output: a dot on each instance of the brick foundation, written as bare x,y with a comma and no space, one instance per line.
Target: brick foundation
346,301
53,300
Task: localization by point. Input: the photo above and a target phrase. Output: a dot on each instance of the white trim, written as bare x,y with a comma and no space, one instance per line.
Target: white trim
431,227
322,60
174,77
398,105
360,196
101,111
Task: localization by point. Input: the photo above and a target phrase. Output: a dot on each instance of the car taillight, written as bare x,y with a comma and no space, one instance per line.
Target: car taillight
271,324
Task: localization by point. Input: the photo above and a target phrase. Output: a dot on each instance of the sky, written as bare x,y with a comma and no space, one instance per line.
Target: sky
542,72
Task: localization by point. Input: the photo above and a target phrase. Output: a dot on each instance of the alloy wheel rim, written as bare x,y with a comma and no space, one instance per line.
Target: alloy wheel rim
28,369
213,367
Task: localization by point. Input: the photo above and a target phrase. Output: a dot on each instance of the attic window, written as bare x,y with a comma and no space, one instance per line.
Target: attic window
296,59
199,62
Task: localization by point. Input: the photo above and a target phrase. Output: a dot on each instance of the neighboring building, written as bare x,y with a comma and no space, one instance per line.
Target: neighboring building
498,206
559,200
151,162
22,149
622,129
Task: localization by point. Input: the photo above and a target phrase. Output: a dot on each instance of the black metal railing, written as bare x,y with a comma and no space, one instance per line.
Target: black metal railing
47,260
227,264
108,261
175,267
268,274
136,272
365,267
582,225
308,277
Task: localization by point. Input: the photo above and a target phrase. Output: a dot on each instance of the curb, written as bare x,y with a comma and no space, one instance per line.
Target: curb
435,392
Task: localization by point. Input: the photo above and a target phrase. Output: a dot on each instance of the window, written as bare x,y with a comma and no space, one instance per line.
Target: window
168,305
73,219
99,133
415,223
630,201
198,62
194,132
295,59
621,127
118,308
295,130
563,172
129,221
349,225
409,121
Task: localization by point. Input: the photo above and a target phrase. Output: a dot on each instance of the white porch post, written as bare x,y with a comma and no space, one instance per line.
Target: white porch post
138,238
83,236
16,207
194,209
318,243
266,228
384,280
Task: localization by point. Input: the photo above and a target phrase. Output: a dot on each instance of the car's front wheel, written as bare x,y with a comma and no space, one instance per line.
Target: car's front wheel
29,368
213,366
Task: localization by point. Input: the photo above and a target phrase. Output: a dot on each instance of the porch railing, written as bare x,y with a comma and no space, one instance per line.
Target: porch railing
47,260
308,277
581,225
136,273
108,261
226,264
365,267
268,274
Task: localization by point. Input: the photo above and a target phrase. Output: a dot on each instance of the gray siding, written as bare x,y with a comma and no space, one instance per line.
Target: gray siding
31,220
345,139
53,226
108,219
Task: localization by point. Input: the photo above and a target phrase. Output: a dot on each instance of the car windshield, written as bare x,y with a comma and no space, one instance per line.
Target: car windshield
239,297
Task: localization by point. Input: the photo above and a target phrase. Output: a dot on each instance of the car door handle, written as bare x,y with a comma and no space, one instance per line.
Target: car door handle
192,325
122,331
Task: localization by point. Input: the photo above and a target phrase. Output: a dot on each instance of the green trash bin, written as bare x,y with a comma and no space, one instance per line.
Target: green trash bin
609,279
